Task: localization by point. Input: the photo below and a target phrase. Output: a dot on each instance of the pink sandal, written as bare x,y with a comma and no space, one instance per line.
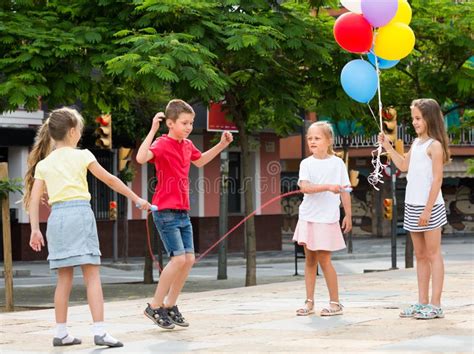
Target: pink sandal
307,309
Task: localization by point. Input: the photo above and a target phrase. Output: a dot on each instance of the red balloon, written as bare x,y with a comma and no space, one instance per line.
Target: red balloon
353,33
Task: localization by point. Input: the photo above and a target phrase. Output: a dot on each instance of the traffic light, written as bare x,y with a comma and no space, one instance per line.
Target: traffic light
399,147
112,210
124,155
104,131
354,178
390,123
388,208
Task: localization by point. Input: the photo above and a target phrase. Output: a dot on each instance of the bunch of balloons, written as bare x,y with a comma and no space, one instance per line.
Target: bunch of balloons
378,28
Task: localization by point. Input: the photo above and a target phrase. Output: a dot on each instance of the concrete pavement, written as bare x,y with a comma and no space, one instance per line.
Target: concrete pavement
262,318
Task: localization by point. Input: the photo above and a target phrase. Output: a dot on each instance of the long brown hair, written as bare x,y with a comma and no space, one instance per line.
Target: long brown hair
327,131
433,116
59,122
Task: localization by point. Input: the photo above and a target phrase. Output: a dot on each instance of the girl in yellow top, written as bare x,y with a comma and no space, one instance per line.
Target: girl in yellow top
71,229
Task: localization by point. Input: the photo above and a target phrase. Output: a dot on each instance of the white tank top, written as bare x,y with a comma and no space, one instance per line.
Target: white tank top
420,175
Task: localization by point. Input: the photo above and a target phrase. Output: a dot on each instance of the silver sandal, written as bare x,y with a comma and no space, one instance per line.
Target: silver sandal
305,311
329,311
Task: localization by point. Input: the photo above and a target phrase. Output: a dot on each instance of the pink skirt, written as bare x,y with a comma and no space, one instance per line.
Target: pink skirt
319,236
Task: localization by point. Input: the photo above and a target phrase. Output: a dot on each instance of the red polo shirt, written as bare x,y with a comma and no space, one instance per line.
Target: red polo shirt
172,159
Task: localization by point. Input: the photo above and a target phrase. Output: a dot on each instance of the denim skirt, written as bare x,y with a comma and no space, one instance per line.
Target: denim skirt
71,235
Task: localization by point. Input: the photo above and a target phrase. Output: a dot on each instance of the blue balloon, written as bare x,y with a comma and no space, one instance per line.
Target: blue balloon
383,63
359,80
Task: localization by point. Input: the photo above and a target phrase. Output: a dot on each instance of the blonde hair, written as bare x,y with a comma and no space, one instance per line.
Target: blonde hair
175,107
433,116
327,131
59,122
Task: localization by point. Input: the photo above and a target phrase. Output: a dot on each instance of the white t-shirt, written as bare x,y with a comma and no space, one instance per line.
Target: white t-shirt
322,207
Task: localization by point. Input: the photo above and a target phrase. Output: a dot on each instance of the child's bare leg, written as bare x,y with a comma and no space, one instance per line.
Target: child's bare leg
435,258
179,280
330,275
95,297
310,270
167,277
62,292
423,268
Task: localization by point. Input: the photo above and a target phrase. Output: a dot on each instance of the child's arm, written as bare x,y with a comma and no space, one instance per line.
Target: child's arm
346,203
36,237
144,154
309,188
402,162
435,151
117,185
226,139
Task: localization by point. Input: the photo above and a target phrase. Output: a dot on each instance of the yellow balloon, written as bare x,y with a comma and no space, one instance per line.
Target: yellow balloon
403,13
394,41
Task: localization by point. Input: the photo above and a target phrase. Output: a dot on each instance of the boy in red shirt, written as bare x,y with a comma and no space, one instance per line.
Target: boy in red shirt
172,155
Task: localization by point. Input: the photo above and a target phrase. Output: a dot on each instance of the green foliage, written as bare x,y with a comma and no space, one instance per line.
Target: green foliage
267,59
438,67
127,174
470,166
10,185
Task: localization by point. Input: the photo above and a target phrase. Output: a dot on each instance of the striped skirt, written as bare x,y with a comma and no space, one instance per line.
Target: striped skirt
412,216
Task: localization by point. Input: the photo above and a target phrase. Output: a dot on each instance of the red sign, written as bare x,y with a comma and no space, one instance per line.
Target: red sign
216,120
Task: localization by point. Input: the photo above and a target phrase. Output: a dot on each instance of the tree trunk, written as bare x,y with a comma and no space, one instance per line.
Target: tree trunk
250,237
7,242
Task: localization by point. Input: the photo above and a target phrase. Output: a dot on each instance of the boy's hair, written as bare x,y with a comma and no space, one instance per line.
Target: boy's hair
433,116
327,131
59,122
175,107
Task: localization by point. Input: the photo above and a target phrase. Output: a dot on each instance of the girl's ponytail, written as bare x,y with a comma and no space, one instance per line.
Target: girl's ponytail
41,149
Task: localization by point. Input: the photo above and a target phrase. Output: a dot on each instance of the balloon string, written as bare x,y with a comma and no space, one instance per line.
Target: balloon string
376,176
373,116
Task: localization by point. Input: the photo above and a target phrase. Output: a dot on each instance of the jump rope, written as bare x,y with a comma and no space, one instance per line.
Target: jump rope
227,234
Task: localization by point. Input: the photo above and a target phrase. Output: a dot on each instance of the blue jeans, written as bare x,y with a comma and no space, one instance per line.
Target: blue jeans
176,232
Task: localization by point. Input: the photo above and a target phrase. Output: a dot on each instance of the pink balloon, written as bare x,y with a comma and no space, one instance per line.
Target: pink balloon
379,12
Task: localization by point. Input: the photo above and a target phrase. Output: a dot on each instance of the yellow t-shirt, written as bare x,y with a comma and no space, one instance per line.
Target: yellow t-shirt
65,174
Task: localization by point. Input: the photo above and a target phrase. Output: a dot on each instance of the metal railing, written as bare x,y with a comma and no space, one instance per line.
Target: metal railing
465,138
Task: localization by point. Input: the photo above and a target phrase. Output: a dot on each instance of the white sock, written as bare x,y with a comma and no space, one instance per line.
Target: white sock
61,332
98,329
109,339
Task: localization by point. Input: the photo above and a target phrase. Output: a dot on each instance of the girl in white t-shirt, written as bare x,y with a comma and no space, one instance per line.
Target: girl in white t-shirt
322,179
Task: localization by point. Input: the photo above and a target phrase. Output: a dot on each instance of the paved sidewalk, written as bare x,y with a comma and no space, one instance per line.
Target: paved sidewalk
262,319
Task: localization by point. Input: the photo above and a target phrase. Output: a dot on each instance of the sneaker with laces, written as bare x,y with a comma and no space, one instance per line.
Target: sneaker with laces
176,317
159,316
412,310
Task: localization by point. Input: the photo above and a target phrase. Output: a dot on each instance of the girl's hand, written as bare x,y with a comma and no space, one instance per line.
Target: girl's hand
36,240
424,218
346,224
142,204
384,141
335,188
155,125
226,138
